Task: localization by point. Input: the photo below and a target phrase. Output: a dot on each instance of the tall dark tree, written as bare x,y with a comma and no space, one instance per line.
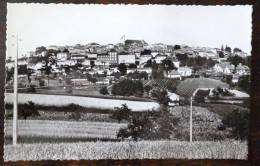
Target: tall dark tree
48,61
228,49
236,60
168,65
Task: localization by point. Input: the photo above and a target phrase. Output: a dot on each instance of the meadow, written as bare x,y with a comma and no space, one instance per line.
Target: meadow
64,129
90,102
229,149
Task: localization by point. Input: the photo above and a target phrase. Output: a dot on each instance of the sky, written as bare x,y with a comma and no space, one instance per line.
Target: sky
60,24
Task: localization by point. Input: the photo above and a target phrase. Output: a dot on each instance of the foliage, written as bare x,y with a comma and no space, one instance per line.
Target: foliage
228,49
138,75
161,96
168,65
147,88
157,71
244,83
183,58
177,47
121,113
127,88
122,68
239,122
132,66
32,89
149,63
27,110
104,91
200,96
149,126
236,60
221,92
221,54
237,50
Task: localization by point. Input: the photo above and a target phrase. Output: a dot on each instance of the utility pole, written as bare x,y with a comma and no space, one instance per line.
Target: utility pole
15,103
191,119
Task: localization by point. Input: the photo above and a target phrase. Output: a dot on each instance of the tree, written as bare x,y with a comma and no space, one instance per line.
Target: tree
236,60
121,113
236,50
128,88
221,54
122,68
183,58
200,96
149,125
177,47
168,65
149,63
155,67
27,110
132,66
228,49
238,120
147,89
161,96
40,49
146,52
104,91
92,64
244,83
48,62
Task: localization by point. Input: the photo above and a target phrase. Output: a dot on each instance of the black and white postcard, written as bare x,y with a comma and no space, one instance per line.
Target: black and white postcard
92,82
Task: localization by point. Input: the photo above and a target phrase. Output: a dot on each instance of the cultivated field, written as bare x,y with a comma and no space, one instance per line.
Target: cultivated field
64,129
127,150
90,102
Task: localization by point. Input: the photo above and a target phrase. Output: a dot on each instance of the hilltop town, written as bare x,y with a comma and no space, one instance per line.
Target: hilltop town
93,69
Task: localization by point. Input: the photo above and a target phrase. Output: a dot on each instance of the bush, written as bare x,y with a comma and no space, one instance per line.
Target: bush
161,96
200,96
104,91
27,110
149,126
238,120
121,113
32,89
75,116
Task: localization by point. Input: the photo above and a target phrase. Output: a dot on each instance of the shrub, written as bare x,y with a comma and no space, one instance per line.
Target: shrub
200,96
121,113
32,89
104,91
161,96
27,110
238,120
149,126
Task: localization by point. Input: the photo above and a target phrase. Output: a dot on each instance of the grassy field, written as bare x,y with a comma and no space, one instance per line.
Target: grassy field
127,150
64,129
88,102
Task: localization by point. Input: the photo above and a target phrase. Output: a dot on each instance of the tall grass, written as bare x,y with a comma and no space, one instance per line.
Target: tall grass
127,150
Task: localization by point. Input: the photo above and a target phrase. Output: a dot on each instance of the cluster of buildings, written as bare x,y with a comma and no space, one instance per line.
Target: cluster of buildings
99,59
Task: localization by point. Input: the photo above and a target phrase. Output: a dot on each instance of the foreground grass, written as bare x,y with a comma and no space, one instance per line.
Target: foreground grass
127,150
